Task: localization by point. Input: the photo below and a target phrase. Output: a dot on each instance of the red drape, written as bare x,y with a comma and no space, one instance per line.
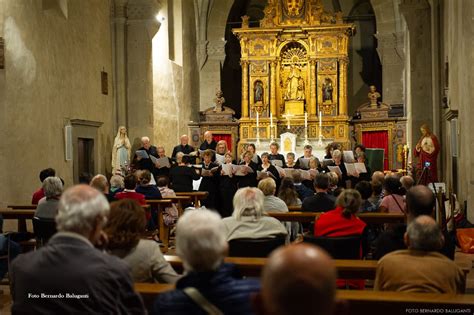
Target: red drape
226,137
377,140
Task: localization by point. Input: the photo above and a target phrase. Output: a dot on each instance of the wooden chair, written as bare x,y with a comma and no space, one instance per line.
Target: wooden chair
344,247
43,229
259,247
197,196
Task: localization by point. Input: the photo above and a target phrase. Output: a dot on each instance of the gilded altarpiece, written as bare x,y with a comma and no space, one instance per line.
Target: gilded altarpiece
295,63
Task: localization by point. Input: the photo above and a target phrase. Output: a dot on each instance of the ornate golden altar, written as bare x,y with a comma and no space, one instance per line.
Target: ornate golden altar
295,62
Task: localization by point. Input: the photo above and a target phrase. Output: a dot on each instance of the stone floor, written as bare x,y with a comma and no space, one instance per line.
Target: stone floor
461,258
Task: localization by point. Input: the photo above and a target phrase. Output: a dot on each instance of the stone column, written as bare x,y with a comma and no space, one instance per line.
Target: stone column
273,105
245,88
119,61
312,86
391,53
343,83
141,27
418,16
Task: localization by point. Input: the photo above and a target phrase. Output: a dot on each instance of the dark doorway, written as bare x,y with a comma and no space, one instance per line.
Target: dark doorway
85,159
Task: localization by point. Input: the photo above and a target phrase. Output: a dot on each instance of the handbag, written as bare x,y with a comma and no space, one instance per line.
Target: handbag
466,240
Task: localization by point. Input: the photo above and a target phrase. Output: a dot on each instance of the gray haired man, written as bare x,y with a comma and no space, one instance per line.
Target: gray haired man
69,275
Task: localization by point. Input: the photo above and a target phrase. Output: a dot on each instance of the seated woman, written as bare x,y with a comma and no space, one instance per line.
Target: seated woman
48,207
393,201
182,176
125,228
248,221
341,221
116,185
250,179
145,188
289,195
270,202
170,215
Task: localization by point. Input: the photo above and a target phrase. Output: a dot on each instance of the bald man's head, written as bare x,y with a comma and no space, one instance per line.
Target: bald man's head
298,279
424,234
378,176
420,200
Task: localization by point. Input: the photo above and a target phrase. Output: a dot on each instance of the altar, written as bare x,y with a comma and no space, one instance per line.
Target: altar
294,76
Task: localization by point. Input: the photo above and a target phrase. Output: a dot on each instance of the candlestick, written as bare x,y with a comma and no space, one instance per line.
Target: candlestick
258,133
320,140
305,120
306,142
271,127
288,117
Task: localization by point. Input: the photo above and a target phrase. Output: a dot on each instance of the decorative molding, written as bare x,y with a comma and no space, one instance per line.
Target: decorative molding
451,114
83,122
216,49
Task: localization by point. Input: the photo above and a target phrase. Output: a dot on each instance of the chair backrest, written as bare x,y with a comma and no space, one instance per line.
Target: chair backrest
43,229
254,247
343,247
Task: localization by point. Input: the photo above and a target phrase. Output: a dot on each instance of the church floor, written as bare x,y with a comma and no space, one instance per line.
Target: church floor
461,259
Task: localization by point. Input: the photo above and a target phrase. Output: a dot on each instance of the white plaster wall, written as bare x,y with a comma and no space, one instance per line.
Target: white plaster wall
52,73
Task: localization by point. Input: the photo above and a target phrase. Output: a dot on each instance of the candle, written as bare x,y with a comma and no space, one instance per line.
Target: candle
305,120
257,125
320,120
288,117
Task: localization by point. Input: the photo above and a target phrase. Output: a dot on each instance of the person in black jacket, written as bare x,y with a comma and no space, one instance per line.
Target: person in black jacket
185,148
274,155
182,176
150,191
227,188
249,180
142,163
210,180
322,201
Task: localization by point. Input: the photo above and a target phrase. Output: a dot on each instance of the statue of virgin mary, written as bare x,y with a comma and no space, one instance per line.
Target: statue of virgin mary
121,150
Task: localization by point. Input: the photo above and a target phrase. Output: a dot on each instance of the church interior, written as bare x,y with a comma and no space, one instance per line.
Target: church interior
387,74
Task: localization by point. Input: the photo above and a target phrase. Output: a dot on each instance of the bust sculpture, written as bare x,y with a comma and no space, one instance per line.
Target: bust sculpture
219,101
373,95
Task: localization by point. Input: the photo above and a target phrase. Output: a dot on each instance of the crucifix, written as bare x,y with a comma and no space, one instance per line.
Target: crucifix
288,115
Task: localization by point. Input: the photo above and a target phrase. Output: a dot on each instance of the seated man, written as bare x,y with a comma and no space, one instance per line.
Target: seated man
69,275
420,200
307,287
322,201
420,268
40,192
201,244
53,188
100,183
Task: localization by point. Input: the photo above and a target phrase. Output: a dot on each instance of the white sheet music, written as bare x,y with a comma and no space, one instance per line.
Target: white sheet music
360,167
220,158
142,154
335,169
350,169
349,156
276,163
304,163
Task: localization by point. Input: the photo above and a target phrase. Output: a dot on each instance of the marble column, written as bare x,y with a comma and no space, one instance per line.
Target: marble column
273,105
245,88
141,27
343,82
119,47
391,53
312,86
417,15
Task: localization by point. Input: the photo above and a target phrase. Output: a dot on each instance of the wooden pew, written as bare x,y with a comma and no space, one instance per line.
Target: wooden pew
369,218
21,215
159,206
364,302
196,196
22,221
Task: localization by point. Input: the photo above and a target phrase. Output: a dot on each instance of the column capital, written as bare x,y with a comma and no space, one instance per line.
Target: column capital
143,9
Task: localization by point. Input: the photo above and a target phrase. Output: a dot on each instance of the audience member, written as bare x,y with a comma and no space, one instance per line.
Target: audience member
287,192
377,193
130,183
321,201
378,176
37,195
170,215
69,274
365,190
116,184
146,188
247,220
53,188
420,200
420,268
125,229
201,244
393,201
407,182
100,183
301,189
270,202
297,279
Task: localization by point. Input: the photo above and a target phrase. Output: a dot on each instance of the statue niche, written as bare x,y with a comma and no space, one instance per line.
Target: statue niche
293,77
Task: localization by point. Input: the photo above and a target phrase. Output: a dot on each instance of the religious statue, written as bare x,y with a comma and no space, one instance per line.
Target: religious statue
427,150
258,91
294,85
327,90
121,150
219,101
373,96
245,21
293,7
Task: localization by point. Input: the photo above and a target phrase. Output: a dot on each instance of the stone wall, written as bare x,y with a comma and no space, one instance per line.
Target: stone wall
55,52
457,26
